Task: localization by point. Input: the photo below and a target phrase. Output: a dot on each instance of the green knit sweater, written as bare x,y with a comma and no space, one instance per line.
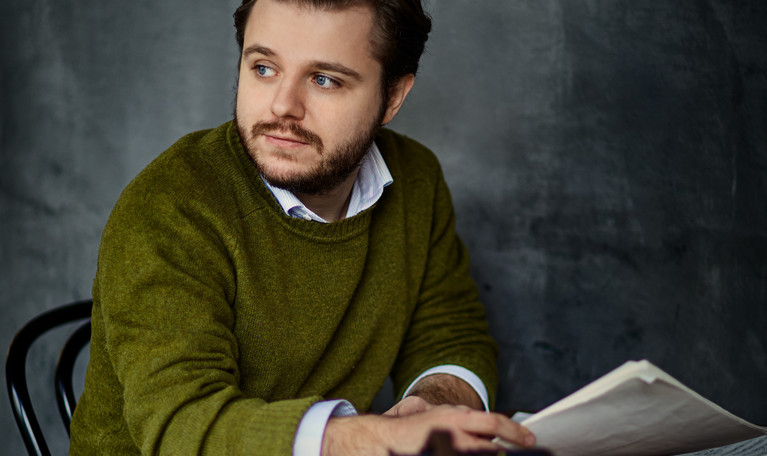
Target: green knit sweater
218,320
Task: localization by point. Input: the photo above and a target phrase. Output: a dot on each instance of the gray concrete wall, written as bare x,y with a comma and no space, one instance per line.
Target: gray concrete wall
608,162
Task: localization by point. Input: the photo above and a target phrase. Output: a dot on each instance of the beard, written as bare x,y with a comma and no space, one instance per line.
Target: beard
335,166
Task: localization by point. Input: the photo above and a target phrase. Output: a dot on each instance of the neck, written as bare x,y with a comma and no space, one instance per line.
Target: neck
332,204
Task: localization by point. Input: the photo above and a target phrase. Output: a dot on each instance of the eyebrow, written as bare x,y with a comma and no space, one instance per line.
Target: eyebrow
320,65
337,68
257,49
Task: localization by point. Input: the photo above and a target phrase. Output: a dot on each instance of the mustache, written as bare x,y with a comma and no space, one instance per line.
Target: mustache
307,136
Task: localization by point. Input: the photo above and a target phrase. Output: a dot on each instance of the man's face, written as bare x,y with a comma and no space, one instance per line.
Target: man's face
309,94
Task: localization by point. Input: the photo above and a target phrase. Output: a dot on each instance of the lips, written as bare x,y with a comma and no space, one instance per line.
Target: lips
286,134
284,141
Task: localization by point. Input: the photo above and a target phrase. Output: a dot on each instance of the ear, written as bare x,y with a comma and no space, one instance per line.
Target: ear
397,97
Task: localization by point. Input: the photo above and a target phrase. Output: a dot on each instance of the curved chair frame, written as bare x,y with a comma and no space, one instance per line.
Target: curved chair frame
16,377
65,393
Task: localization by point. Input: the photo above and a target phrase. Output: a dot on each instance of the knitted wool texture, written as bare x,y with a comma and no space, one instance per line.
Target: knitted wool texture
218,320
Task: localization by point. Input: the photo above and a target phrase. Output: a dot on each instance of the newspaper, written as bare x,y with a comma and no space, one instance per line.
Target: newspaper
637,409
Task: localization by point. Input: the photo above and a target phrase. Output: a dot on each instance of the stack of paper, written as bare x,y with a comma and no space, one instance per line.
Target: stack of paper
637,409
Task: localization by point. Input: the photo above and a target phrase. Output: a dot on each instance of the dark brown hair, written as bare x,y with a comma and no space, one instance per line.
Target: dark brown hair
398,38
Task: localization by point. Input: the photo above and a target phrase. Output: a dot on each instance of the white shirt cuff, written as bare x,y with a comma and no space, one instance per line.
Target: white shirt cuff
308,439
461,372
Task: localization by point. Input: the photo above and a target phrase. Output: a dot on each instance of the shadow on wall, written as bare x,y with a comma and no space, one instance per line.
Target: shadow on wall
606,161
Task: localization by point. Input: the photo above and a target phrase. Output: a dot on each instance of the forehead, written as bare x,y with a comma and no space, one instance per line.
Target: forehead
301,32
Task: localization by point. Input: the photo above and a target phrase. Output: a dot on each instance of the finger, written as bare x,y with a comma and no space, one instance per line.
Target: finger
424,406
497,425
466,442
515,434
409,406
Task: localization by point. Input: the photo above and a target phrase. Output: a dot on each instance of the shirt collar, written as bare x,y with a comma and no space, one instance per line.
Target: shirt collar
368,187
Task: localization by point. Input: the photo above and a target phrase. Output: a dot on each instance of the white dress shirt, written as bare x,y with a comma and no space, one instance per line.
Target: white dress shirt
372,177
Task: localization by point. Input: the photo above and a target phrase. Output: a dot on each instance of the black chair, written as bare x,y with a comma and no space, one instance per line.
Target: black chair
15,370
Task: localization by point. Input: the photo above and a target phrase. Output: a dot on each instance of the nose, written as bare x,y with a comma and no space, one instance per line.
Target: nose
288,100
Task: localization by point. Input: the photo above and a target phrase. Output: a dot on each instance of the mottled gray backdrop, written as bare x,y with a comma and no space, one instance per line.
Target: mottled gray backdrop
608,162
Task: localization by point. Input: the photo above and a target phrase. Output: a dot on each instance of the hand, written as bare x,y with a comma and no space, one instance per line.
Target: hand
469,429
409,406
440,389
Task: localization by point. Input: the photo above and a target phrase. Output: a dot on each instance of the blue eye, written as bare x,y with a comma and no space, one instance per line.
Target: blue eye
264,70
325,82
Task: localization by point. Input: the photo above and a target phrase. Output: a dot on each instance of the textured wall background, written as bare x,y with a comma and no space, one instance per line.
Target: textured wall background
608,162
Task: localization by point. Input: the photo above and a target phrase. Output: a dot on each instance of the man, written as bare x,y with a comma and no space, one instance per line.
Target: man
259,281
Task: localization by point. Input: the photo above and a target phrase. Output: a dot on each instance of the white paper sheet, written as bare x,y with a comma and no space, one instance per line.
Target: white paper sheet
636,409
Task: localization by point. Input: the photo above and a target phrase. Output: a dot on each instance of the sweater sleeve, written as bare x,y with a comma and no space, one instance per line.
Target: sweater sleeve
448,325
162,295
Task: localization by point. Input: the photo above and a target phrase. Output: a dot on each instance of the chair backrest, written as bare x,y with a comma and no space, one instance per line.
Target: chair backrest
16,377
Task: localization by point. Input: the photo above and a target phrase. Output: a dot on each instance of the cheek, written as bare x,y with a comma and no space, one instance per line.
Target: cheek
246,104
248,97
343,120
335,128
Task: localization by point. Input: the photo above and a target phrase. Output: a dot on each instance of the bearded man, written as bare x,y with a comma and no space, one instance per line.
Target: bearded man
258,282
